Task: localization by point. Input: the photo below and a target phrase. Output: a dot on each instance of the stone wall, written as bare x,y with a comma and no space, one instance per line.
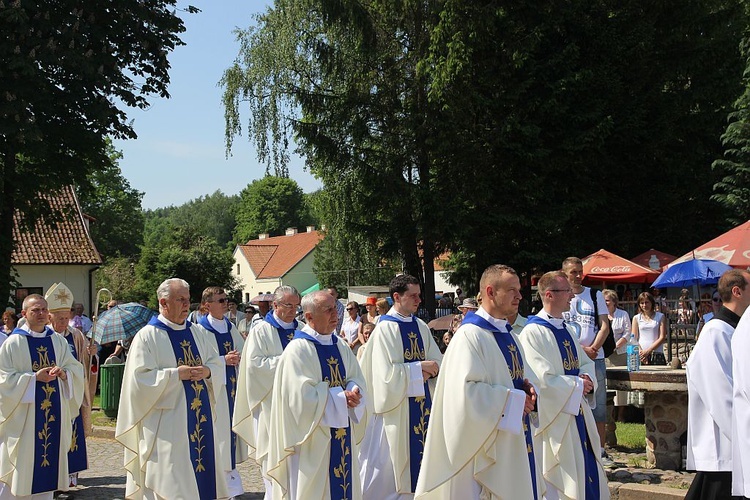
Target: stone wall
666,421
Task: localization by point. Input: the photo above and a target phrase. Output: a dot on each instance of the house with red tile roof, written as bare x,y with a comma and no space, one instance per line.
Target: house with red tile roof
270,261
58,251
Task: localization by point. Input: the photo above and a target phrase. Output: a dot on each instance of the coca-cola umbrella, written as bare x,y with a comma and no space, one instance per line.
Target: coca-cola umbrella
605,266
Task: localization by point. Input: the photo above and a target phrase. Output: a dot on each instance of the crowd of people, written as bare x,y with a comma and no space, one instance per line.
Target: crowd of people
357,404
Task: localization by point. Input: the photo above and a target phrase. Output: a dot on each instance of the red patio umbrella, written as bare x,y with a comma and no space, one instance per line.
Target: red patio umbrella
607,266
732,248
644,259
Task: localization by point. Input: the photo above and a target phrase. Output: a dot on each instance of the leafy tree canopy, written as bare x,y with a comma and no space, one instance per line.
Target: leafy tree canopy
269,205
67,66
116,208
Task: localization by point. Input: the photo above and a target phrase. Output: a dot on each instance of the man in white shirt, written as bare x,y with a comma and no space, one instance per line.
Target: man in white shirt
317,399
567,438
709,379
592,330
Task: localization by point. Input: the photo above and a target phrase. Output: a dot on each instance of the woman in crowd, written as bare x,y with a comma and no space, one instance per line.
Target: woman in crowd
619,321
382,306
650,329
9,324
350,326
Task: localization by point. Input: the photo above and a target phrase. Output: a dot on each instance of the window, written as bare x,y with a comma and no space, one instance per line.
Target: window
22,293
238,268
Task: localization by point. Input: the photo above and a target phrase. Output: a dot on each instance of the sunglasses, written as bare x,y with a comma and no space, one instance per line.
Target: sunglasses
350,309
717,299
220,301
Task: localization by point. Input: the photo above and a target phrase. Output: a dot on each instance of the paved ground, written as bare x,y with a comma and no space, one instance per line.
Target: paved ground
105,478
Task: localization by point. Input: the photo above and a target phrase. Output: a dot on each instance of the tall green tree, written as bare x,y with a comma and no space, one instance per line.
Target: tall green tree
67,66
572,126
116,208
269,205
183,253
733,188
342,77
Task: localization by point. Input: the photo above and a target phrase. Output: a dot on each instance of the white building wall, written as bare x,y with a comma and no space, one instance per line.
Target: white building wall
75,277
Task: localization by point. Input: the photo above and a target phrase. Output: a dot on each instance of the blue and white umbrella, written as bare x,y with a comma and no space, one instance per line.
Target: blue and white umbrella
121,322
691,272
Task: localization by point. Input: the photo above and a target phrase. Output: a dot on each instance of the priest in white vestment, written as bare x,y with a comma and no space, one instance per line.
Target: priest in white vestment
41,388
167,420
59,299
400,359
263,347
567,436
226,339
741,407
480,438
317,403
709,379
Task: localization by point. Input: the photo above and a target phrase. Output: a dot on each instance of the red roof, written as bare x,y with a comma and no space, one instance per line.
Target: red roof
644,258
732,248
274,257
606,266
64,242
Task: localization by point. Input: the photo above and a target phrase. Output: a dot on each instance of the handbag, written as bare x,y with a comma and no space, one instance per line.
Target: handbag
609,342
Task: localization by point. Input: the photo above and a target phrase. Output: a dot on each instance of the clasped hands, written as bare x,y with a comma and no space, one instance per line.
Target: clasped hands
429,369
193,372
232,358
50,373
530,402
588,385
353,397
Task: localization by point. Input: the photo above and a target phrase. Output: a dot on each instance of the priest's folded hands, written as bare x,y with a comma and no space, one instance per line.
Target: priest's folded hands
50,373
193,372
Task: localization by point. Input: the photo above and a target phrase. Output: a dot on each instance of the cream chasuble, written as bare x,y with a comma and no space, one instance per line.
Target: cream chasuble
741,408
557,438
260,356
304,410
394,384
162,455
36,417
466,452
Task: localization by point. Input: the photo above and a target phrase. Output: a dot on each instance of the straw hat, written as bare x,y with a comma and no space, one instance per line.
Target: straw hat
469,303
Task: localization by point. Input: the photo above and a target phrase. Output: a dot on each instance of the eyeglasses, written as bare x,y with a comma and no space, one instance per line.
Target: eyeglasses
220,301
286,304
350,309
566,290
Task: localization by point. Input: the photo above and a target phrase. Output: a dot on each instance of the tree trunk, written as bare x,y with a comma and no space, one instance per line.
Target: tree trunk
7,203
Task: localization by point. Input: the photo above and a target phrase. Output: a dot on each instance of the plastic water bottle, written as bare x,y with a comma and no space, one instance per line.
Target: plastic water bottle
634,355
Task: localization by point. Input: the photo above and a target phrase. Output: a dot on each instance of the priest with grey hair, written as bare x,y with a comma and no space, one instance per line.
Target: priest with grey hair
167,421
318,402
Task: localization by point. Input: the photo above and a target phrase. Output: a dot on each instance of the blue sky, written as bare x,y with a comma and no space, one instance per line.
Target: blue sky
179,154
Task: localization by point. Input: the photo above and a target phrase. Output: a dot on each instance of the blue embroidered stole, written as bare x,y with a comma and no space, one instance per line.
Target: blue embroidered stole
199,418
48,414
77,459
225,344
514,361
334,372
285,334
419,407
571,366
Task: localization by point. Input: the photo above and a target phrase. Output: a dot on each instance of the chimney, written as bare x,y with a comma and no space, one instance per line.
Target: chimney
262,236
291,231
310,229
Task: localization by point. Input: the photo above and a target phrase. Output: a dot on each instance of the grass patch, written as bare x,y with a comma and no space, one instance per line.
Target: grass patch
631,437
98,418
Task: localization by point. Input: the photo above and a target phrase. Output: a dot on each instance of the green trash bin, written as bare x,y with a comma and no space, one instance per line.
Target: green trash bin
109,390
